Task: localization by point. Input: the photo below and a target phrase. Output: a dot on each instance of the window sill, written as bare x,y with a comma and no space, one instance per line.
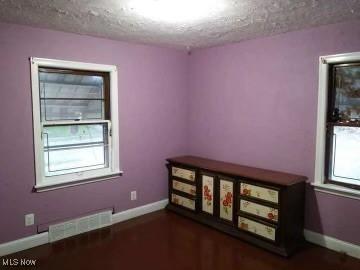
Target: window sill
337,190
58,185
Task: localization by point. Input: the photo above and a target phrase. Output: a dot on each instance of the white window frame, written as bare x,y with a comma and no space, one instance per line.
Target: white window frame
77,178
319,177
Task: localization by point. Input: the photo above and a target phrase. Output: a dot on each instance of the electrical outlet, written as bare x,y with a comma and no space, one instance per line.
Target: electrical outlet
29,219
133,195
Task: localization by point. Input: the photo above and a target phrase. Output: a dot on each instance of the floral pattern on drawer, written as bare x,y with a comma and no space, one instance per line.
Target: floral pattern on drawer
185,202
262,193
208,194
257,228
183,173
226,199
256,209
186,188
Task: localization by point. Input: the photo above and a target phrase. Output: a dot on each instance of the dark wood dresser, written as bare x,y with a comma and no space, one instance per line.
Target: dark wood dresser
260,206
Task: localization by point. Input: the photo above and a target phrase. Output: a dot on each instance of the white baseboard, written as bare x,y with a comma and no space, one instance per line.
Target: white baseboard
24,243
43,238
139,211
332,243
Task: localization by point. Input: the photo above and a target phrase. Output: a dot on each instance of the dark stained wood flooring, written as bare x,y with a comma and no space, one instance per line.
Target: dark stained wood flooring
165,241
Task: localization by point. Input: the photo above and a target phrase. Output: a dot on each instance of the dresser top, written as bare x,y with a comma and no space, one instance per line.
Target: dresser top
274,177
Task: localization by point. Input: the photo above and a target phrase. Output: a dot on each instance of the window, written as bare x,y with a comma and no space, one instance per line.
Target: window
343,125
337,168
75,115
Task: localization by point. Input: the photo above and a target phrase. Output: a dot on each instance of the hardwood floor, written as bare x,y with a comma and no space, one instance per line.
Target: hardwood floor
163,241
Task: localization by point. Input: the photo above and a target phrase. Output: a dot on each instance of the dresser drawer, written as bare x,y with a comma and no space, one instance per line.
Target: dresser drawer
266,194
182,201
183,173
186,188
257,228
256,209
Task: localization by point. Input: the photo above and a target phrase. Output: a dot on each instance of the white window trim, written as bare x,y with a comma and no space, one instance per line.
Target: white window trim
319,177
85,176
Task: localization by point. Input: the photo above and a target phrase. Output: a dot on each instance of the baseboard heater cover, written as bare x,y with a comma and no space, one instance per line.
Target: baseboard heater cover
80,225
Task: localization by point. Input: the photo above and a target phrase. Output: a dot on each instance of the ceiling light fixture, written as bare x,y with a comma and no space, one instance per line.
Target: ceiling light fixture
176,11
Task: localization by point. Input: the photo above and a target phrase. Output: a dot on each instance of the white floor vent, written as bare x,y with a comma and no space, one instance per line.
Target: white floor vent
79,225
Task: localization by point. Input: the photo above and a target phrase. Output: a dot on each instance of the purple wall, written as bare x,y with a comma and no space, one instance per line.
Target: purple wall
252,103
152,100
255,103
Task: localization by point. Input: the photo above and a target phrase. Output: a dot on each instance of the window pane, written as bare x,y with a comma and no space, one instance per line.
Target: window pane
71,96
347,96
61,109
346,154
58,85
74,148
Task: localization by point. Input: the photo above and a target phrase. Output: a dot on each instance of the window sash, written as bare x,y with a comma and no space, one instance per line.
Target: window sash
103,100
81,174
334,145
103,142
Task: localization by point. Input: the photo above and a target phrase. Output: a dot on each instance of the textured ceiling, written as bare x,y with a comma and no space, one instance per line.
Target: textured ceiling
235,21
